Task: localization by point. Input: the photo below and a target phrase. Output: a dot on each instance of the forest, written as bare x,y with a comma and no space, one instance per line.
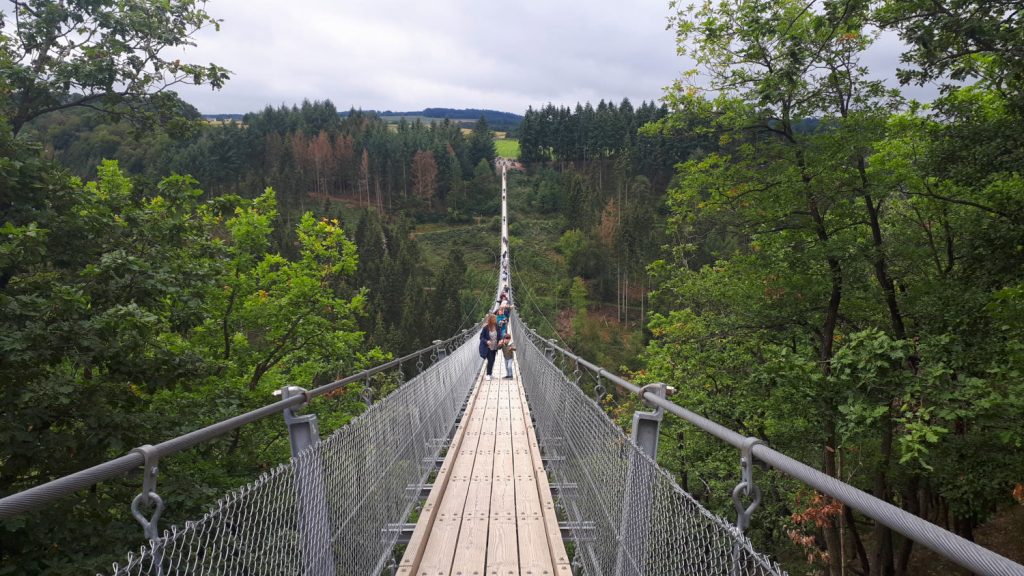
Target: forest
804,252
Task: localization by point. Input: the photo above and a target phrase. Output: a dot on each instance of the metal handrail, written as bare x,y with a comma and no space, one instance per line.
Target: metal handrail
957,549
37,496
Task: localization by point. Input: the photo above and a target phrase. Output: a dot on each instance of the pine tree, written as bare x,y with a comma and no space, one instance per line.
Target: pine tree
481,144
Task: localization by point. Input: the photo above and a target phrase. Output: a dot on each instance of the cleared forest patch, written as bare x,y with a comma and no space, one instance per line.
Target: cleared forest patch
507,148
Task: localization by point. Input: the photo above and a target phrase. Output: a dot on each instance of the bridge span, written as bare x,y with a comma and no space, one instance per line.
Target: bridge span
457,474
491,510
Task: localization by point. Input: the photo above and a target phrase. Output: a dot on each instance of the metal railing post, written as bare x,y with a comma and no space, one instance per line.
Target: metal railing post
634,528
310,494
647,424
442,352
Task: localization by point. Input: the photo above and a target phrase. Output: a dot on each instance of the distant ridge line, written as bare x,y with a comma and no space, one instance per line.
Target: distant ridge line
462,115
457,114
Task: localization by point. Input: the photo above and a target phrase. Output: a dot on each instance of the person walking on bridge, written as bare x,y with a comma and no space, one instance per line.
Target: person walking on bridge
503,315
489,342
508,351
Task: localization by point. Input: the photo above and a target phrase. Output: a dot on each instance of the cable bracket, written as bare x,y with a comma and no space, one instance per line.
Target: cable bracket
148,496
746,487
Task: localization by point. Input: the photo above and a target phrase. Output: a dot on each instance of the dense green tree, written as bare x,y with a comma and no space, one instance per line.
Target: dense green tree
174,314
975,40
103,55
583,254
483,193
481,144
444,312
840,227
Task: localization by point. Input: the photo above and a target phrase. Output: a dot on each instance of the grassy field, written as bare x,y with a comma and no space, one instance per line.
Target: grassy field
509,147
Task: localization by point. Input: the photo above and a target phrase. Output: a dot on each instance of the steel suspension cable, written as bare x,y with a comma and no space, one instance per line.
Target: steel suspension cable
952,546
533,301
37,496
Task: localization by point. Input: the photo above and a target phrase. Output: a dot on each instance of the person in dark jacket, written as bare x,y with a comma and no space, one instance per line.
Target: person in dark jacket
489,342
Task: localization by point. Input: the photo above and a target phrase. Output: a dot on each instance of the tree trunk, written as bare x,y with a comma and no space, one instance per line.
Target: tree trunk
910,504
862,552
626,295
235,437
883,556
226,323
833,539
881,266
964,527
684,475
827,339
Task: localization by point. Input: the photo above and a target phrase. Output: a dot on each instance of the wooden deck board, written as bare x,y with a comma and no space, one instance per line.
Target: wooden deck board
471,550
418,542
534,556
491,511
502,544
559,557
444,535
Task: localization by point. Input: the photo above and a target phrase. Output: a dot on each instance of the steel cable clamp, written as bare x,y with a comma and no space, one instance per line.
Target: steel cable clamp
148,495
660,390
366,394
292,391
746,486
599,389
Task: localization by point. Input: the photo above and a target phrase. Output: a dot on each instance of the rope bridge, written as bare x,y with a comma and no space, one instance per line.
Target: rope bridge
642,521
327,510
497,474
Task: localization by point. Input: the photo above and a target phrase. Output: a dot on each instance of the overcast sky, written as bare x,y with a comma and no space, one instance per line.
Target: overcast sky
404,55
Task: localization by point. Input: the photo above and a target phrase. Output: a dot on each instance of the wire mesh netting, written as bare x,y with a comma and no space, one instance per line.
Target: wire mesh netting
329,511
628,515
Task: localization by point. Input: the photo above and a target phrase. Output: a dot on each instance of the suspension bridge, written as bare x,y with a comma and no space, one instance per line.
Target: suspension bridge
455,473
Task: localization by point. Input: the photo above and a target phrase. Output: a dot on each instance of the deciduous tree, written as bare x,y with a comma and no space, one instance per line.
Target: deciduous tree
424,177
107,55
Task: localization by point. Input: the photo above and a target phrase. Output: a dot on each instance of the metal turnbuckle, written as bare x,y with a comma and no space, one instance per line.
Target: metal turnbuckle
148,496
746,487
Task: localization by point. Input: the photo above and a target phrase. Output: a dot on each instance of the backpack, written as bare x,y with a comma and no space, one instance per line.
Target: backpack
483,347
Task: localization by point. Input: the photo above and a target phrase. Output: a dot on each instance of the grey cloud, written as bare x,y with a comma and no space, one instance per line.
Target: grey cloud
399,55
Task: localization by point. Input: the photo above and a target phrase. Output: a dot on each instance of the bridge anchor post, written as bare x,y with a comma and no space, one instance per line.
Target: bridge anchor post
636,506
310,494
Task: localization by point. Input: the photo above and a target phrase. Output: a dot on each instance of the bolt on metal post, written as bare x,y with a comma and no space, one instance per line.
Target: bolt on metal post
310,494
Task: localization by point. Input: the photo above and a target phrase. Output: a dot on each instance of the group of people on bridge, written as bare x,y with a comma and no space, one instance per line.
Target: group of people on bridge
496,337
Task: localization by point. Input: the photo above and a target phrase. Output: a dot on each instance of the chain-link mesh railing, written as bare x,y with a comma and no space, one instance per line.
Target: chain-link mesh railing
631,516
328,511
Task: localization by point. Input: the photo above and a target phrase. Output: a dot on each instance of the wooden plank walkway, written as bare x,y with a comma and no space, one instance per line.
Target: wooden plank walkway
490,511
